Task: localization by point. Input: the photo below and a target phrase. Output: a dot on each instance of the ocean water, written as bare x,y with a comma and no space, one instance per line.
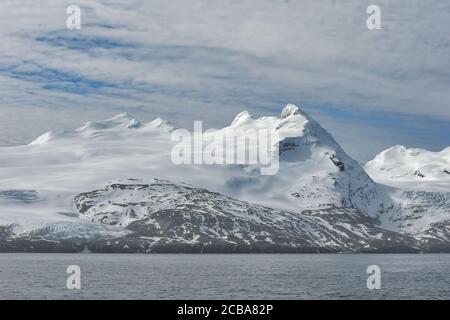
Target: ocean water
225,276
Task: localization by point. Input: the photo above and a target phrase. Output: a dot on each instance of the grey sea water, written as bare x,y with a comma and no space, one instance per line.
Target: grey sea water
214,276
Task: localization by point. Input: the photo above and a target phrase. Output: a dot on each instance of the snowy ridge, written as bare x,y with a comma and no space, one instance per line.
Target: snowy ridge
419,189
120,125
318,192
315,172
401,164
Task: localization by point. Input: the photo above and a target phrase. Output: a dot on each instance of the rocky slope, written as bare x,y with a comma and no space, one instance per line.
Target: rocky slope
95,188
163,216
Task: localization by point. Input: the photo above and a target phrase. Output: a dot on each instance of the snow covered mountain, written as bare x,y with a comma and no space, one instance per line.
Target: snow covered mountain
314,171
419,186
94,186
163,217
399,164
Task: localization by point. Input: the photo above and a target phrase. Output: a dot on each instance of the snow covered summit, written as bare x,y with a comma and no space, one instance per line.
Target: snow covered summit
317,182
401,164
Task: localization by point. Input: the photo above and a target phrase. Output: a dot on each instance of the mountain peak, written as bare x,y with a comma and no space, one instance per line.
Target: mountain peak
399,163
160,123
242,118
397,148
119,123
293,110
122,116
289,110
120,120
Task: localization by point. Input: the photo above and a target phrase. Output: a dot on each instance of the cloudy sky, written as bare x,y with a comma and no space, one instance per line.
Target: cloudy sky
210,59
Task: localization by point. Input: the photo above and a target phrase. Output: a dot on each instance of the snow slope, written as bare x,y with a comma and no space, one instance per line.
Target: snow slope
419,185
402,166
39,181
314,171
60,164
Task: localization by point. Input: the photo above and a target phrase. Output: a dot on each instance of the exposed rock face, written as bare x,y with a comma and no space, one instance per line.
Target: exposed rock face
167,217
